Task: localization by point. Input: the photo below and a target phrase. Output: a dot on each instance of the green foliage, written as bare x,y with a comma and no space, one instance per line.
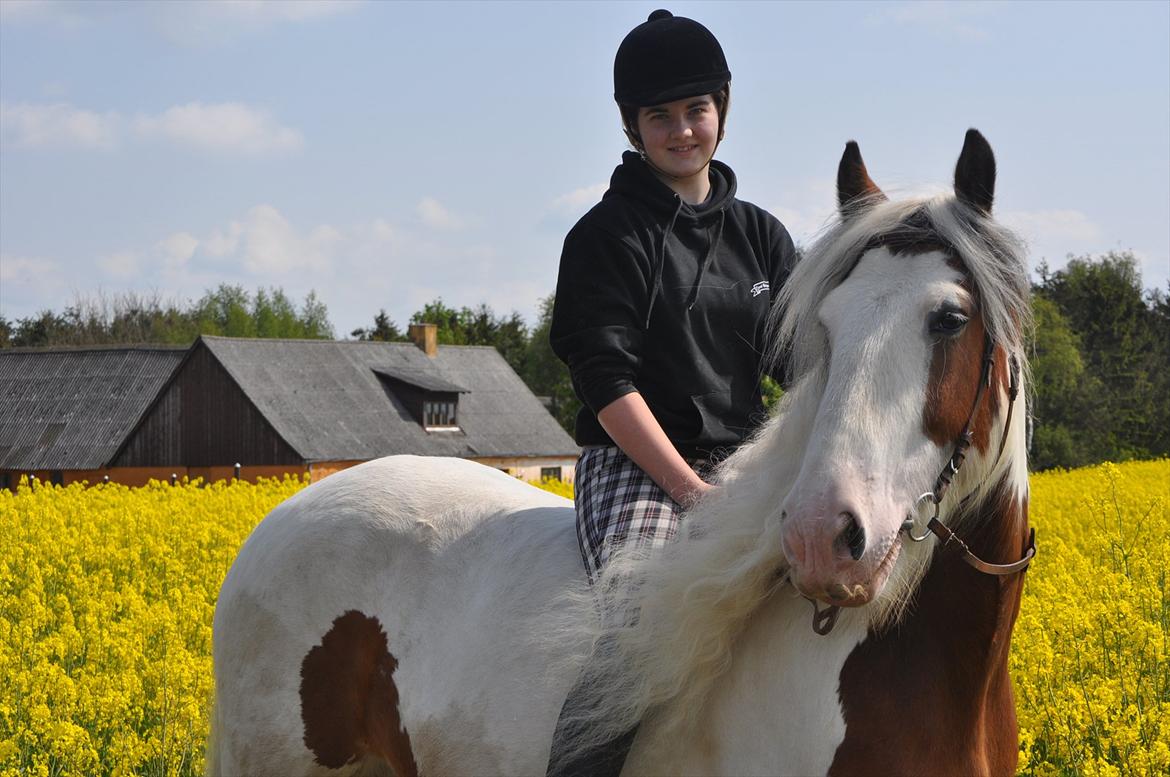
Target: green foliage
478,326
383,330
1101,364
772,392
546,374
130,318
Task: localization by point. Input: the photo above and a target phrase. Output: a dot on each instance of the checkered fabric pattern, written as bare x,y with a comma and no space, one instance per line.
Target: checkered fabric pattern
618,503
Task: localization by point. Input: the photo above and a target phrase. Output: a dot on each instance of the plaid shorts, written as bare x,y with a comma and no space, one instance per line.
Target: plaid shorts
618,503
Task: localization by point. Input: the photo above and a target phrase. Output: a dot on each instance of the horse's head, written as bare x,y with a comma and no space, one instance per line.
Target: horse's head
887,321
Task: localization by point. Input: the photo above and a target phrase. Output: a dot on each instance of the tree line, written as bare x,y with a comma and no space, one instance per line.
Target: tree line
1099,350
228,310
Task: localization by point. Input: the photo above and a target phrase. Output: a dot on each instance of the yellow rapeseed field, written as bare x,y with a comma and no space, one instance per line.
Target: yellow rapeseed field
107,595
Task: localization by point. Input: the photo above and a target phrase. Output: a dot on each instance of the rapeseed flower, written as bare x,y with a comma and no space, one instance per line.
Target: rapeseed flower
107,596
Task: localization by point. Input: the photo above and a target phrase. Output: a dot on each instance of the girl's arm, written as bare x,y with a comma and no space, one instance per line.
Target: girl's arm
629,422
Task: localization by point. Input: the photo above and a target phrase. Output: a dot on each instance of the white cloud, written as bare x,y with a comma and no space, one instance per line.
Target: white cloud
24,269
435,215
223,242
177,249
959,19
225,127
231,128
265,12
805,208
58,12
57,125
1053,226
271,246
576,202
29,284
381,231
192,22
120,264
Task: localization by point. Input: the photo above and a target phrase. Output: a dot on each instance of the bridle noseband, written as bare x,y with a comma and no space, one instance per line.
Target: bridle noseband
825,619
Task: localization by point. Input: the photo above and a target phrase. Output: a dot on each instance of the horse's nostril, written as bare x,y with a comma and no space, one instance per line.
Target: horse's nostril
853,536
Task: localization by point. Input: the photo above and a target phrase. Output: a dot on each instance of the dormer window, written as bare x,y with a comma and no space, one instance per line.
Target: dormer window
432,400
439,414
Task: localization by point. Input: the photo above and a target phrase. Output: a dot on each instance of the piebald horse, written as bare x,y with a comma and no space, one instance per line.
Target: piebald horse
428,616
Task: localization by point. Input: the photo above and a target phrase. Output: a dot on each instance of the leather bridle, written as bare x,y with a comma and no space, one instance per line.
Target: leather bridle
825,619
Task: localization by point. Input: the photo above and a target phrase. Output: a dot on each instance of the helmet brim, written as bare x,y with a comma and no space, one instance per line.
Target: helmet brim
658,96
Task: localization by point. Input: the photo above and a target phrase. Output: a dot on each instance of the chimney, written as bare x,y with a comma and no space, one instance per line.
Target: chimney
426,337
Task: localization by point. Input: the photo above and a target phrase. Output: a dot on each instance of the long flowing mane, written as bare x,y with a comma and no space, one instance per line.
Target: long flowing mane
676,614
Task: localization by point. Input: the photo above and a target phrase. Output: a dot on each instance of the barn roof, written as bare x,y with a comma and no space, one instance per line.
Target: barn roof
71,408
326,399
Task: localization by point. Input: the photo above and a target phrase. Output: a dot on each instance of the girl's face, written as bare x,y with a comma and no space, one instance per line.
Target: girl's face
680,137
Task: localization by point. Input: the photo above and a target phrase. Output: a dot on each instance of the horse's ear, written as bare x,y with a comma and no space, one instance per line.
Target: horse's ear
855,189
975,172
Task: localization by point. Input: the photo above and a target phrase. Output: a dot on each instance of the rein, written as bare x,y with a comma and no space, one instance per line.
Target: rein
825,619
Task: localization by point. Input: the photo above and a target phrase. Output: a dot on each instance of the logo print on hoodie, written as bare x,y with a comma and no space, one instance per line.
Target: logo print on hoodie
760,288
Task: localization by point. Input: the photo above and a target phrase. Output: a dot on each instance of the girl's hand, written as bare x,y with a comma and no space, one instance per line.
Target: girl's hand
692,493
629,422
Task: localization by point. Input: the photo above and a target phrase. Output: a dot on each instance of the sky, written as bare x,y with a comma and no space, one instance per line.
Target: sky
384,154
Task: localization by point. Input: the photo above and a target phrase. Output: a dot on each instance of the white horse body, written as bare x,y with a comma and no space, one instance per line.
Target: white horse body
451,557
471,591
461,564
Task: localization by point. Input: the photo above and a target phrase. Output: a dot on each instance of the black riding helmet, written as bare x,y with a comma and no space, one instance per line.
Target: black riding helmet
667,58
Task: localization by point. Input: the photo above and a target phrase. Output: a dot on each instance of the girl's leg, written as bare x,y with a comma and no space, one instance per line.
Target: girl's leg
617,503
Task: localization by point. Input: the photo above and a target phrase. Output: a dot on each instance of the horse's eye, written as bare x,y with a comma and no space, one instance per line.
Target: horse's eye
947,323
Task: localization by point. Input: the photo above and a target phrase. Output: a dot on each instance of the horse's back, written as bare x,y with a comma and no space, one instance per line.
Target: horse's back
407,578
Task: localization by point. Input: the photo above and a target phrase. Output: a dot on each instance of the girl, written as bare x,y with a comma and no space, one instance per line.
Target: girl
661,304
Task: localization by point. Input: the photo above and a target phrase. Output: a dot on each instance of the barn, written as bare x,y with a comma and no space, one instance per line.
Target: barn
240,407
65,412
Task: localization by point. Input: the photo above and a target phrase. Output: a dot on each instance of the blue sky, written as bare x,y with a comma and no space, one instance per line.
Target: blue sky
384,154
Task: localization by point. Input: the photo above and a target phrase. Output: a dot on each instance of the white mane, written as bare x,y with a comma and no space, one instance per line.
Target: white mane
686,605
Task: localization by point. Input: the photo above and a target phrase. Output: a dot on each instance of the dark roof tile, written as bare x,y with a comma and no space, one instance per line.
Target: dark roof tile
326,400
70,408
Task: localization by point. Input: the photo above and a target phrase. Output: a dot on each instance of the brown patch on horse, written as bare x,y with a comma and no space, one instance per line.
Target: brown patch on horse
948,708
349,703
955,371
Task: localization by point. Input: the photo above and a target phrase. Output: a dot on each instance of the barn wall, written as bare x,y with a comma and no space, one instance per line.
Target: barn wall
205,420
528,468
323,469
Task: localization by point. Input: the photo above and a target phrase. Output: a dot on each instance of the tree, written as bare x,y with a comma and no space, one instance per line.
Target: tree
1111,408
1058,389
478,326
546,375
132,318
45,329
384,330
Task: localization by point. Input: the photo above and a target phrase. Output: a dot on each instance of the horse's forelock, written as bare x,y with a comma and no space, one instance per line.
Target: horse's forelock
991,254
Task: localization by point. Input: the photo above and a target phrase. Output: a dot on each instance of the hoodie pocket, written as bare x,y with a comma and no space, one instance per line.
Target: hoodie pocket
714,414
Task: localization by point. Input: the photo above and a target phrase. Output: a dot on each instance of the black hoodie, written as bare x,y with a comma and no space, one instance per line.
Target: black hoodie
670,300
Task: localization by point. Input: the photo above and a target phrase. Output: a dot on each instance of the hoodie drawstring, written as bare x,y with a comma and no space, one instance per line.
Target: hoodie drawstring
656,279
707,259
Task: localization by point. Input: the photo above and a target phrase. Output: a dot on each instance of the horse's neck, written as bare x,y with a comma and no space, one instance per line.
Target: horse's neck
794,702
943,667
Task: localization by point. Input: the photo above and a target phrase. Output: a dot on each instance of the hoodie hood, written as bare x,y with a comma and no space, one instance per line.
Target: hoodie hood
635,179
